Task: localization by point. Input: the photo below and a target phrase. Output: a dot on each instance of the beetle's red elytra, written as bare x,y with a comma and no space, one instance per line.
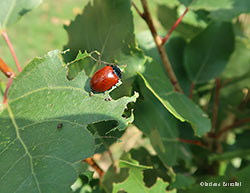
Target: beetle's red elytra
105,78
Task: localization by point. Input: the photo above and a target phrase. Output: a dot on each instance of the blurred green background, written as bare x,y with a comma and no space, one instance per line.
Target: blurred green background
40,31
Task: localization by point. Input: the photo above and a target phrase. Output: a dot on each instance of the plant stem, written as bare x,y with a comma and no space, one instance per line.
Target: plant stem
216,104
193,142
95,166
5,36
164,40
232,126
138,10
10,74
6,69
160,47
149,21
10,80
191,90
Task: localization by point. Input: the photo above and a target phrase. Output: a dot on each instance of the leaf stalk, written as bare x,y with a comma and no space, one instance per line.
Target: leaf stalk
6,38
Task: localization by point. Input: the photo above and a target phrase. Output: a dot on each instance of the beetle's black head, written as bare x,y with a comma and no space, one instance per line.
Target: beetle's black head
117,71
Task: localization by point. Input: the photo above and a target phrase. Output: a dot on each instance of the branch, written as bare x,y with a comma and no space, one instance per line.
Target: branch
232,126
138,10
216,103
191,90
164,40
10,74
95,166
10,80
192,142
149,21
5,36
6,69
160,47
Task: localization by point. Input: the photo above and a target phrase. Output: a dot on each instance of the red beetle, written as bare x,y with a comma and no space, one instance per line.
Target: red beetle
105,78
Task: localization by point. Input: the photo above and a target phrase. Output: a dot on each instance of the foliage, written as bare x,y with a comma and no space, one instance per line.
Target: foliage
52,120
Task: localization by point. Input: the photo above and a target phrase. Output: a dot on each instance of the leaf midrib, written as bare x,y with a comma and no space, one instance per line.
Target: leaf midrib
46,88
24,146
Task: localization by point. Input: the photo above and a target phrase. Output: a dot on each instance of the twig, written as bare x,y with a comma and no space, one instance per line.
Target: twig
149,21
164,40
10,74
10,80
95,166
191,90
160,47
138,10
232,126
6,69
192,142
4,34
216,104
225,83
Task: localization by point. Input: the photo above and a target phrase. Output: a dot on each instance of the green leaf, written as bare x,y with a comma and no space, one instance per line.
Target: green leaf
106,26
111,177
104,137
220,9
134,182
145,158
2,88
238,77
206,56
230,155
175,50
186,2
44,127
89,175
182,182
232,96
177,104
242,140
85,60
241,57
160,186
12,10
157,123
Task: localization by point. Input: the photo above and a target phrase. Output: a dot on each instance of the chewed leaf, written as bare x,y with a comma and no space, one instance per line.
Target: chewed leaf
44,126
135,183
105,26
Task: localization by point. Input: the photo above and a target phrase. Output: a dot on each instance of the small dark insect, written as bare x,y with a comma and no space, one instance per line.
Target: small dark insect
59,126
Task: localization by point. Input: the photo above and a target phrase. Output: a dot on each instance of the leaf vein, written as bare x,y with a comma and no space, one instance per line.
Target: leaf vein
24,146
46,88
13,165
